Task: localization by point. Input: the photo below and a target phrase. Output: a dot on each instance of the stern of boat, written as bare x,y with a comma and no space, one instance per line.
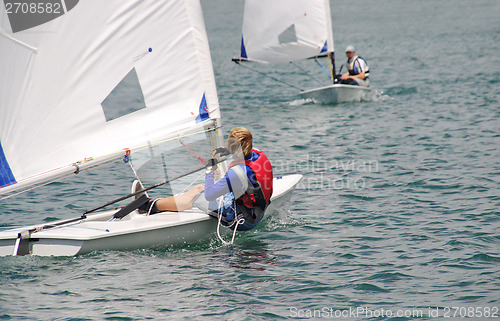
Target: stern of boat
283,187
334,94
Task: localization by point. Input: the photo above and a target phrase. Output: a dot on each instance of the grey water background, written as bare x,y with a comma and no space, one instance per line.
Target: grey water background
398,209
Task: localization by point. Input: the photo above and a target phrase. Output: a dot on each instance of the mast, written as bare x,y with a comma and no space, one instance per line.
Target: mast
331,58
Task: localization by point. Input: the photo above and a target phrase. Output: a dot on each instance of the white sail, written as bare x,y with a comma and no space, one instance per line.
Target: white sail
56,80
286,30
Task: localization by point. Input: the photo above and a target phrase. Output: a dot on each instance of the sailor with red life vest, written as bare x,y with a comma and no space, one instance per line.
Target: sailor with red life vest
246,189
247,186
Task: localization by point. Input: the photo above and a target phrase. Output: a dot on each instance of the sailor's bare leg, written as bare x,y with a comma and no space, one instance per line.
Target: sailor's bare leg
178,203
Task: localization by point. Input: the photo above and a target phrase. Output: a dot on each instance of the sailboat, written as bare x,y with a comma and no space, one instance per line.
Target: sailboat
283,31
105,81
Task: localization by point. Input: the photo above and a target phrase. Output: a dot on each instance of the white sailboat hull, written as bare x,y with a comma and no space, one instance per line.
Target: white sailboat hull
334,94
134,231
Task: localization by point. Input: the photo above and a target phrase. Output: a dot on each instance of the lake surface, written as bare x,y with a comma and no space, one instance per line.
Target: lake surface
398,214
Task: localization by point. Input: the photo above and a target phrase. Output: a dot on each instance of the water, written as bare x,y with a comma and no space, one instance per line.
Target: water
398,210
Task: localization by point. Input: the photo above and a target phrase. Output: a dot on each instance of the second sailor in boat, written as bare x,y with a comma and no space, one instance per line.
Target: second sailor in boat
358,70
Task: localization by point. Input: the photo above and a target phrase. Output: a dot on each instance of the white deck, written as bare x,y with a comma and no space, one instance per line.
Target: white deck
134,231
338,93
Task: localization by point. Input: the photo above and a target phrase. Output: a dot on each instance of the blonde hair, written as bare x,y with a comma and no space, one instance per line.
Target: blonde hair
240,140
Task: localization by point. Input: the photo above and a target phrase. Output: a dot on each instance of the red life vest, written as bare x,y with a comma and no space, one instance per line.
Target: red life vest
264,175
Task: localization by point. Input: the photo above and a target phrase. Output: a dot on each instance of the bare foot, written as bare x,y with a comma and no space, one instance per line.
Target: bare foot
198,188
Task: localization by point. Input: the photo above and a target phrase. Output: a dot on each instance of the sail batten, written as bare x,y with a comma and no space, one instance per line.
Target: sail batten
17,41
52,95
276,31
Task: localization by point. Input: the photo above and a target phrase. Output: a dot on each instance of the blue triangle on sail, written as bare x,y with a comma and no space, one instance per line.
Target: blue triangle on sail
6,176
243,50
125,98
203,110
325,47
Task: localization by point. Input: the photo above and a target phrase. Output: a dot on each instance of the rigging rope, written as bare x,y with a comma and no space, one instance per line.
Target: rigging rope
198,157
165,140
128,160
306,72
237,221
323,68
266,75
202,174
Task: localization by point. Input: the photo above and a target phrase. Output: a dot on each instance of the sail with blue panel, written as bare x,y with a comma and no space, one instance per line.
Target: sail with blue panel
107,77
276,31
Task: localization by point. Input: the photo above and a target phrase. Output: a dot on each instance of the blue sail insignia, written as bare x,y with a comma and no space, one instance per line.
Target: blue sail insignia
6,176
325,47
203,110
243,50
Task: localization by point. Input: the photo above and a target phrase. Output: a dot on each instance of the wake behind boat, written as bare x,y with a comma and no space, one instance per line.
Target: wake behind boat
132,81
284,31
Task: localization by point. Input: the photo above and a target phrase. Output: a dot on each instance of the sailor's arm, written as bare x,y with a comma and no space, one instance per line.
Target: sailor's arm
344,76
361,75
229,183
